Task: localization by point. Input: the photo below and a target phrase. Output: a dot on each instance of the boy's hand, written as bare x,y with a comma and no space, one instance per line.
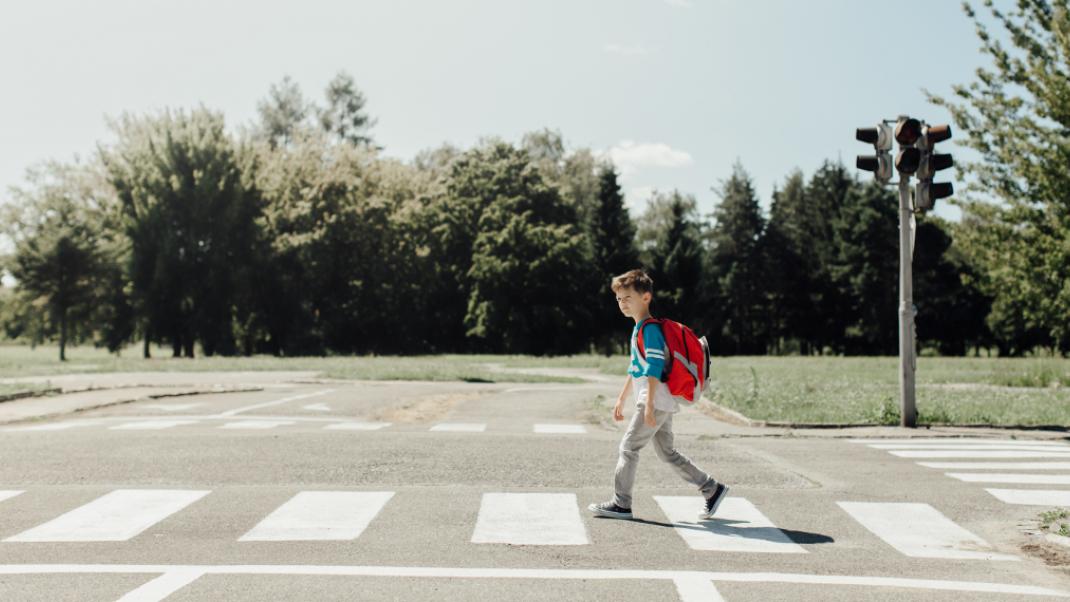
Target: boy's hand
618,410
648,416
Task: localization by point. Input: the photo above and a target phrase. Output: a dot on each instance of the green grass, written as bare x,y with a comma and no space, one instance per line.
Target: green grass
830,390
866,390
1056,521
43,361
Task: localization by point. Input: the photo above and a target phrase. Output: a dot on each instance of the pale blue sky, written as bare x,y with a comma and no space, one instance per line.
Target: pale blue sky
677,90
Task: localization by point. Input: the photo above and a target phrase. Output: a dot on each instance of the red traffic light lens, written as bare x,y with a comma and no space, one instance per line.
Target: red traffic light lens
907,160
908,131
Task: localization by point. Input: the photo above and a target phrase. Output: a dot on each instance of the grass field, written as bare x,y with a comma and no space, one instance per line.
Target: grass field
832,390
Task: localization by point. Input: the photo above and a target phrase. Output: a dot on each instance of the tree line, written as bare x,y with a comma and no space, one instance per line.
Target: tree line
297,236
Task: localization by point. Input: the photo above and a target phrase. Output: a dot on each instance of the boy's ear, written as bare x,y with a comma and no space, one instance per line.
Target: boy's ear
648,297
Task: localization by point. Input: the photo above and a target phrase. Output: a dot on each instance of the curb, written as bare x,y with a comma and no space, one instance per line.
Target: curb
130,400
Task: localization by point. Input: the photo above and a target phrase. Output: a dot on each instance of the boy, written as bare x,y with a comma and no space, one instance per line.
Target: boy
655,407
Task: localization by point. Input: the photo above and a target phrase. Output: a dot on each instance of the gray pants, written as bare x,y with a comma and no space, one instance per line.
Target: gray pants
638,435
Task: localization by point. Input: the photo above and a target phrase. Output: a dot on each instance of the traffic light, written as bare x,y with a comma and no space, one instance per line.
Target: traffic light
881,163
907,132
930,162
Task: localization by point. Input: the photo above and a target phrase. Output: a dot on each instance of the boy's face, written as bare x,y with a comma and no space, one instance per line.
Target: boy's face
631,303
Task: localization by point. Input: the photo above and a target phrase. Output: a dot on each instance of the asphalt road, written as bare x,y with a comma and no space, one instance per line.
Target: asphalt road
414,491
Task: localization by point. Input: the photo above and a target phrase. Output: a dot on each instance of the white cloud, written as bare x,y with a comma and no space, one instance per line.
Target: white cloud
632,50
680,3
630,157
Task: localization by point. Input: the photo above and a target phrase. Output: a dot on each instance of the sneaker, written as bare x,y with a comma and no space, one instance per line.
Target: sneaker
714,501
610,510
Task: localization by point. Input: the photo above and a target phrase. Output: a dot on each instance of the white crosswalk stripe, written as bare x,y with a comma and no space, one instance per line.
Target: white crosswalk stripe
151,425
1021,456
52,426
320,515
560,429
1032,497
1021,479
738,527
8,494
115,516
533,519
256,424
986,454
459,427
357,426
921,531
997,465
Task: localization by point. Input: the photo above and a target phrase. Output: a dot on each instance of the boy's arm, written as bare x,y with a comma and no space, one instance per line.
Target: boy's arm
618,409
648,408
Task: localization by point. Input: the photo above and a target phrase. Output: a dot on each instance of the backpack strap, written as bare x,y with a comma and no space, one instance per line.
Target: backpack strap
642,325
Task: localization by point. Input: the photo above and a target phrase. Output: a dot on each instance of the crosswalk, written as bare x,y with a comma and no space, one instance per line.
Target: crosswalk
503,518
992,461
261,423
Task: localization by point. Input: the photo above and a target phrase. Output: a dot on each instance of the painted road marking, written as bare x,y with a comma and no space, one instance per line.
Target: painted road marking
554,574
920,531
459,427
6,495
560,429
956,441
531,519
1032,497
357,426
115,516
256,424
320,515
276,402
951,453
317,407
172,407
1024,479
1041,448
151,425
738,527
53,426
997,465
162,587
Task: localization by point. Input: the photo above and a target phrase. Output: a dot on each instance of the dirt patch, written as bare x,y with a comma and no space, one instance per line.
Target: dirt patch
425,408
1051,554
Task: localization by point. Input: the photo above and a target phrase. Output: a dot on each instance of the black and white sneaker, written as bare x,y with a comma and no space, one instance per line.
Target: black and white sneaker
714,501
610,510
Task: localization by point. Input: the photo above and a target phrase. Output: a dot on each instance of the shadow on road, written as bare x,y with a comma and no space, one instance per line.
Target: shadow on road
726,527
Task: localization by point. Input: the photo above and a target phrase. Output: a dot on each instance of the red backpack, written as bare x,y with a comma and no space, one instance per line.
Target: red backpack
687,365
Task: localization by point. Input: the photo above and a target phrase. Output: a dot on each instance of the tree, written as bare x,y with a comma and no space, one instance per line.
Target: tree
515,251
282,113
613,243
189,222
736,268
1016,115
790,281
57,229
344,118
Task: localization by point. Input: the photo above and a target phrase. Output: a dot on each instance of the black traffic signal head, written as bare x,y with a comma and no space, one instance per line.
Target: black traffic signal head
927,192
907,131
907,160
881,139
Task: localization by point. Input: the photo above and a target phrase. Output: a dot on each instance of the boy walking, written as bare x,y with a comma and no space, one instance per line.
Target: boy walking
655,407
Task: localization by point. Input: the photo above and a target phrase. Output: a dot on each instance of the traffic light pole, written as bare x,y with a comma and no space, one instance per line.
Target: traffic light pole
908,412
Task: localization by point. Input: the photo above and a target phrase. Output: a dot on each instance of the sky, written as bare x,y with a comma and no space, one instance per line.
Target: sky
675,91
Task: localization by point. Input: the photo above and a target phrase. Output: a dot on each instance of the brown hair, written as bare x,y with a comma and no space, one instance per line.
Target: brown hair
636,279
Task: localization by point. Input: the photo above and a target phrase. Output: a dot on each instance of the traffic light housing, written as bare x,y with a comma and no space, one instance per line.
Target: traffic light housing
928,192
881,163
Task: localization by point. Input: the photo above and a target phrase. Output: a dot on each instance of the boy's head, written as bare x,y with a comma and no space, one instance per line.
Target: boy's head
634,290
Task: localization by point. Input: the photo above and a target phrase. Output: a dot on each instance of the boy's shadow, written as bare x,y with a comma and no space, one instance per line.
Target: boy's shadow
723,526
